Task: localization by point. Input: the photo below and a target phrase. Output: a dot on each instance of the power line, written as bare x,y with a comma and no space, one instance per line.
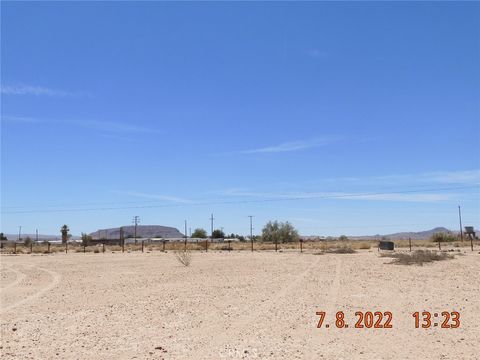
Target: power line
226,202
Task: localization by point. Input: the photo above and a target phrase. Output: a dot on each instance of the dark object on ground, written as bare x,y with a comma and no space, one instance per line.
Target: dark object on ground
386,245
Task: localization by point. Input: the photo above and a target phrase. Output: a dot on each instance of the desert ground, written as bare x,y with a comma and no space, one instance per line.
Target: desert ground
232,305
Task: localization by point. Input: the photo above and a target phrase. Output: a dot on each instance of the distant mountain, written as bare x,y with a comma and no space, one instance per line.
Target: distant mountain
150,231
143,231
420,235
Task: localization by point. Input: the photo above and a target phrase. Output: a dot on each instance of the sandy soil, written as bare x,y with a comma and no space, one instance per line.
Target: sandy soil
232,306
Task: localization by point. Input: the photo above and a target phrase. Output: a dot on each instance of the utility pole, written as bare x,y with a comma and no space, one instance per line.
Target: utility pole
185,234
460,218
122,240
19,233
211,226
136,220
190,231
36,236
251,230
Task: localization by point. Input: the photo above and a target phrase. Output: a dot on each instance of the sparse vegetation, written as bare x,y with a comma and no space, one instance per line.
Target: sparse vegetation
346,249
443,237
27,242
86,239
418,257
184,257
364,246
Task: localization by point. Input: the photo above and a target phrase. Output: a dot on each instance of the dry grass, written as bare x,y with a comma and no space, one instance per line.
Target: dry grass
184,257
345,249
417,257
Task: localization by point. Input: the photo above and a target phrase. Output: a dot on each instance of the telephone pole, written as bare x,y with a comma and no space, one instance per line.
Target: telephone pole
185,234
251,230
211,226
19,233
136,220
460,218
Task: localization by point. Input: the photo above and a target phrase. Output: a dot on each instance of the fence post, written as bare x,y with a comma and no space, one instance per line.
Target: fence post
229,242
103,247
439,246
14,247
276,245
206,245
31,247
66,247
471,242
410,243
142,246
48,248
163,245
301,245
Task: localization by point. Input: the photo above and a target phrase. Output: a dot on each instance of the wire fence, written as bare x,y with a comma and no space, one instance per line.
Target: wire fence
12,247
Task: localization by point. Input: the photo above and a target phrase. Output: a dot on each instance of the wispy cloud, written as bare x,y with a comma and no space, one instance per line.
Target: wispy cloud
22,89
317,53
294,145
154,196
105,126
459,177
20,120
387,196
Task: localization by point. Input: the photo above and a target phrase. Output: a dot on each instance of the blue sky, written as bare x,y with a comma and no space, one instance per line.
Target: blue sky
343,118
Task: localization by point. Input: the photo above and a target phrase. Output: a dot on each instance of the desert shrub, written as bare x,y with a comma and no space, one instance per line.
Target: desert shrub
346,249
443,237
418,257
86,239
96,251
183,257
27,241
364,246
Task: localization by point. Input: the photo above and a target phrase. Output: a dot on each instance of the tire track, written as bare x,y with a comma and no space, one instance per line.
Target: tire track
19,278
277,300
56,277
315,337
